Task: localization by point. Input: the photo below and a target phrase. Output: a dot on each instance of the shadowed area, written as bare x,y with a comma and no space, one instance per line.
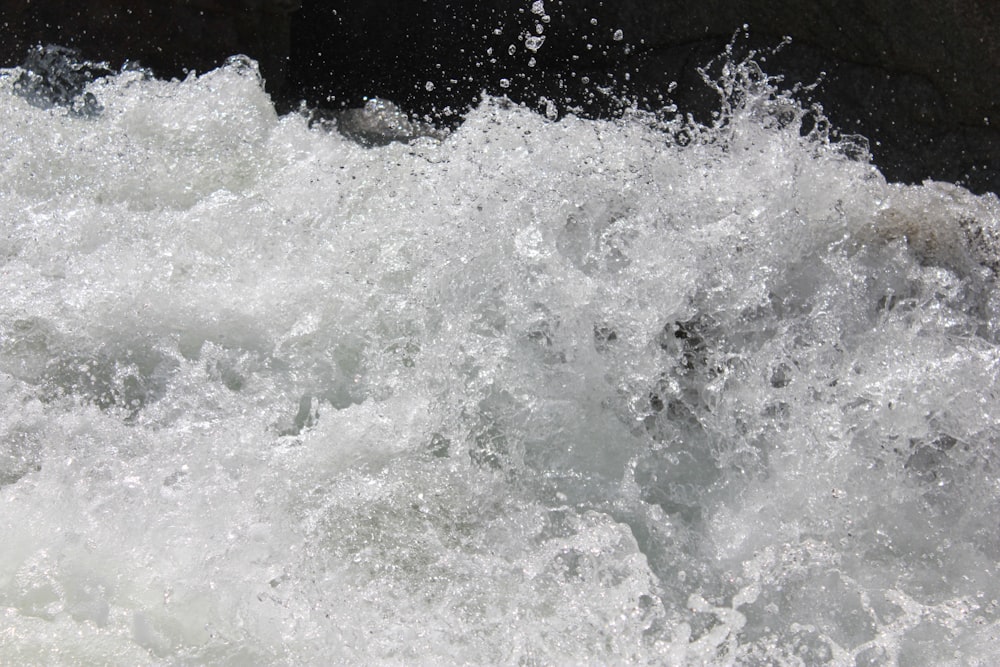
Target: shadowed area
914,77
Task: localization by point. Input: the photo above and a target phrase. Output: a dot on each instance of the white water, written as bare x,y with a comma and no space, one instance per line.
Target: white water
539,393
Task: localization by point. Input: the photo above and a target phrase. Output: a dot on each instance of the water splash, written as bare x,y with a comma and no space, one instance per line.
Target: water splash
533,392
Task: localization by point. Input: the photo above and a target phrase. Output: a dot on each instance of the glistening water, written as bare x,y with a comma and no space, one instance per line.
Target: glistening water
577,392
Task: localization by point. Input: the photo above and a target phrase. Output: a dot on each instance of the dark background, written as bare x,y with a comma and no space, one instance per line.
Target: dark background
919,78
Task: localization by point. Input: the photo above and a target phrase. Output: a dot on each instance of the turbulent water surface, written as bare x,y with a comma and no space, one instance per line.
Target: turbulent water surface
575,392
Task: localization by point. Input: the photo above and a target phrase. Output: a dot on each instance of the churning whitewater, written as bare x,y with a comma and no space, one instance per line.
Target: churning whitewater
577,392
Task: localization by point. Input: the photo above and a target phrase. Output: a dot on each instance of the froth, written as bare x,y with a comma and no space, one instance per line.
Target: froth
533,392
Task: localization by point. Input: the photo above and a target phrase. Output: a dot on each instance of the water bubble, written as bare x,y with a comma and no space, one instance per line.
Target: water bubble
534,43
429,86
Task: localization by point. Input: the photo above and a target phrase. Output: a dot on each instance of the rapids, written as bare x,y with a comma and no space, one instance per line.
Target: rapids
579,392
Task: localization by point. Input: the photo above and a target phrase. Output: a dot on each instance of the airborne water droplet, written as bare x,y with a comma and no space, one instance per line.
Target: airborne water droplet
534,43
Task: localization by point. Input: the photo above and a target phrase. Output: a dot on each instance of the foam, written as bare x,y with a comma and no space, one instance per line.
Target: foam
531,392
